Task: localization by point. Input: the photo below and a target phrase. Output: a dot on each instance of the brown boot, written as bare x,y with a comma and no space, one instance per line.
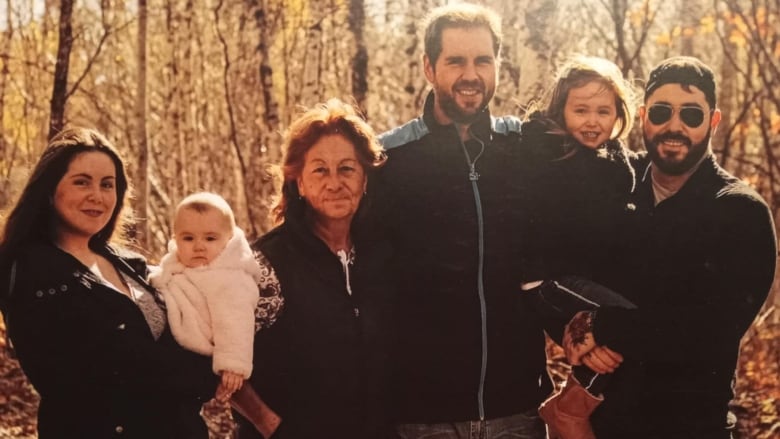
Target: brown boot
249,404
567,413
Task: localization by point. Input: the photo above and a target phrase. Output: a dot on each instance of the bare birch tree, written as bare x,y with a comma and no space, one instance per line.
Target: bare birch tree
142,152
6,151
357,21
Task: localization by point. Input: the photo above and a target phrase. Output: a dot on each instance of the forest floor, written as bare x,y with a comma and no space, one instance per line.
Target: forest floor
756,406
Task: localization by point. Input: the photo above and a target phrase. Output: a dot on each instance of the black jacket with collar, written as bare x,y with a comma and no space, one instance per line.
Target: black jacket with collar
580,208
324,365
88,351
465,351
703,264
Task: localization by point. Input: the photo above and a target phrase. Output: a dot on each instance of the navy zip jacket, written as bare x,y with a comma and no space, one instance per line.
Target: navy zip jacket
465,351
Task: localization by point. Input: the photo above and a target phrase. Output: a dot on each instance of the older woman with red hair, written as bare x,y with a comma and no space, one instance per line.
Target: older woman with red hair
324,365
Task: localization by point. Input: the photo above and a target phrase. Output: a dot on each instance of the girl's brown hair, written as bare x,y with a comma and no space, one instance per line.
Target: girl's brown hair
582,70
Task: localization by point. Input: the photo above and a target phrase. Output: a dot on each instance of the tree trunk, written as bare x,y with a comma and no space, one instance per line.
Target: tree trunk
172,167
5,181
267,149
727,91
357,19
414,67
59,94
271,106
311,91
142,154
618,13
689,21
242,162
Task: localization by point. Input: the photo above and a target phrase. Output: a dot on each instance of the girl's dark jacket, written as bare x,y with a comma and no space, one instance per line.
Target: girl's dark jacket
580,204
324,365
577,218
90,354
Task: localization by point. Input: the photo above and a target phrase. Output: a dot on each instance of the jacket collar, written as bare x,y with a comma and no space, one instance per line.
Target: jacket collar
481,128
132,265
314,253
297,221
707,170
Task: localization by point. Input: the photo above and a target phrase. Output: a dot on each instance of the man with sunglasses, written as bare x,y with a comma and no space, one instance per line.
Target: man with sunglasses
701,267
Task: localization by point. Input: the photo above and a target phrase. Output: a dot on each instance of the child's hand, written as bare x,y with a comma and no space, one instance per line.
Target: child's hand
231,382
578,337
580,347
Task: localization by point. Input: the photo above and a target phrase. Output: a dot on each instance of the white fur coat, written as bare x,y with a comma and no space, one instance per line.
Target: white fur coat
211,308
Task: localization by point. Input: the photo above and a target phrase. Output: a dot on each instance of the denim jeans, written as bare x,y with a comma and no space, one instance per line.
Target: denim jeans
526,425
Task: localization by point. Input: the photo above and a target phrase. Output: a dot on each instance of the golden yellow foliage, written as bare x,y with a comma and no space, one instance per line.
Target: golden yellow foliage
737,38
636,18
774,123
707,24
664,39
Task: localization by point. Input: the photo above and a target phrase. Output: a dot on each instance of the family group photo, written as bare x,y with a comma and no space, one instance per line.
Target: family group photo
389,219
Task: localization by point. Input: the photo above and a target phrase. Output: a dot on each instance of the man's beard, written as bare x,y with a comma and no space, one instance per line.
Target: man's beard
695,153
457,114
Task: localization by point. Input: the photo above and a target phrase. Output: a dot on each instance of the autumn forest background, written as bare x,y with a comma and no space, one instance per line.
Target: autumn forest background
196,94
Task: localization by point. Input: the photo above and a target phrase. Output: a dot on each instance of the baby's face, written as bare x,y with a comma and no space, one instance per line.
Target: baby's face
200,236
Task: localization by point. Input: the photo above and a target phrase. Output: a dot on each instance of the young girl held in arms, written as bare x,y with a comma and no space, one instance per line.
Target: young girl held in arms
580,214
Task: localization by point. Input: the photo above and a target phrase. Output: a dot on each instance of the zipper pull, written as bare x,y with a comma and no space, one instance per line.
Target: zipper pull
357,311
473,175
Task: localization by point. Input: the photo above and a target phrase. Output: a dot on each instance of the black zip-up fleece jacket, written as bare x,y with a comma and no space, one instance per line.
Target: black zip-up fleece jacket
465,350
704,262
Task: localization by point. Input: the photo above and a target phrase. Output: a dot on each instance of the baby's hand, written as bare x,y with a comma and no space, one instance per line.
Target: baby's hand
231,382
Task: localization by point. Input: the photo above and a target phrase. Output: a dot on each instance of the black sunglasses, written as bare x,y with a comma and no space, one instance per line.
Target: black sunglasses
659,114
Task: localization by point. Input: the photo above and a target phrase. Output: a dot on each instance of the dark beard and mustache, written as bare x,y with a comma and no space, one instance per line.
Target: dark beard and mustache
695,152
451,108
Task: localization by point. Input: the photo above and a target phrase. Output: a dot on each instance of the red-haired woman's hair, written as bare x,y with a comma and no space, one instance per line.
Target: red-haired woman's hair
331,117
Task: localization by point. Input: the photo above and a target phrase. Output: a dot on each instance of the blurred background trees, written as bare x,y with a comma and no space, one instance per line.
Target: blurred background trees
197,93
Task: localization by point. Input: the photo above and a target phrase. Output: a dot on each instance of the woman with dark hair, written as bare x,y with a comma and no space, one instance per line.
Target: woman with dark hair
88,329
323,366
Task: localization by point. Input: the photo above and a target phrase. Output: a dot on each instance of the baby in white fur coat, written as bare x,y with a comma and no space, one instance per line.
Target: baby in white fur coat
209,279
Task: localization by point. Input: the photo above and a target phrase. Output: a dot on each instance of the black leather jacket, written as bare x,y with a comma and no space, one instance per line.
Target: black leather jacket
90,354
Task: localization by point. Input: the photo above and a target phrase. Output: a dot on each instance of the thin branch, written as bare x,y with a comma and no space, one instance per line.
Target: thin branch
741,116
106,33
590,13
649,19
